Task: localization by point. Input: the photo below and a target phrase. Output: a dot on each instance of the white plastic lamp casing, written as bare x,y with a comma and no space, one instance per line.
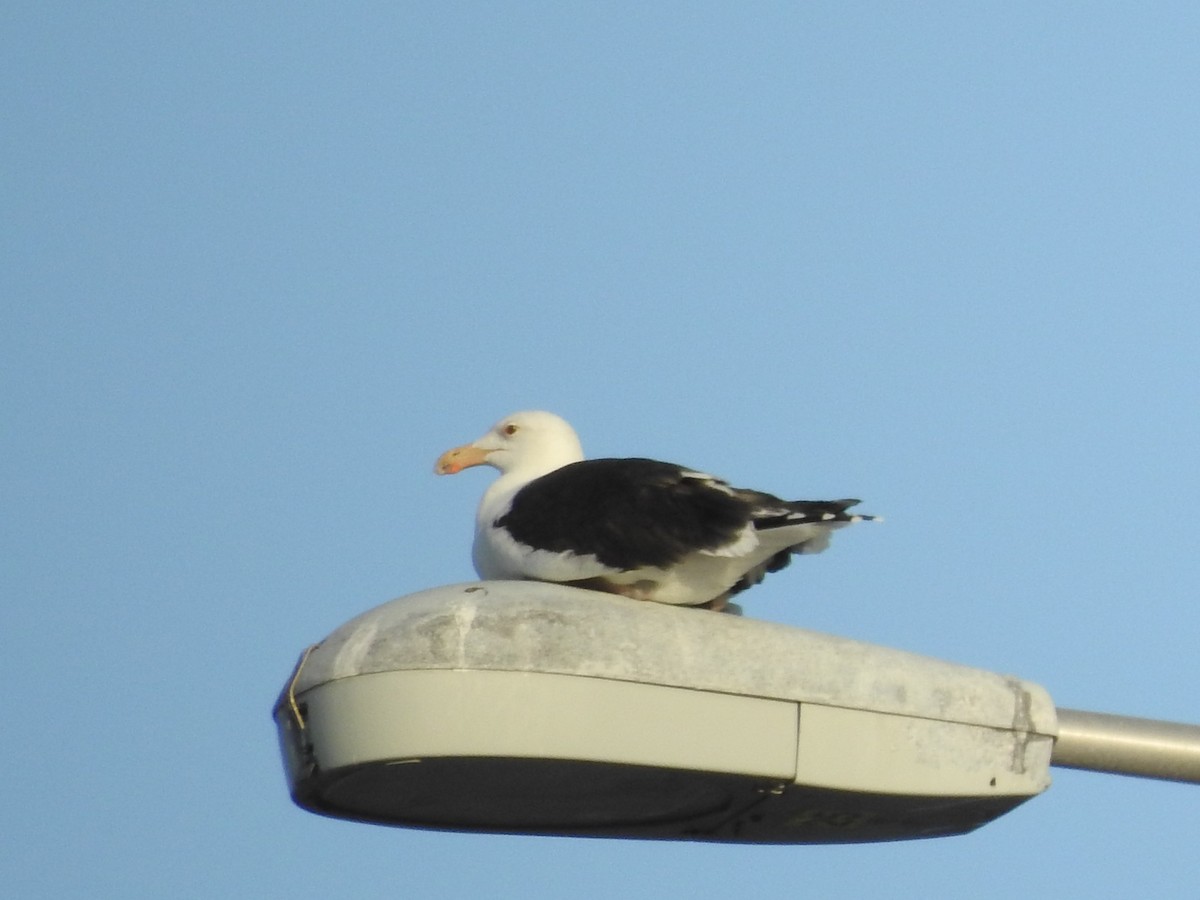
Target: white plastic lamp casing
536,708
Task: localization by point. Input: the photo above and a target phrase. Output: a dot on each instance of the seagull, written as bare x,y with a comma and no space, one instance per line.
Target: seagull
640,528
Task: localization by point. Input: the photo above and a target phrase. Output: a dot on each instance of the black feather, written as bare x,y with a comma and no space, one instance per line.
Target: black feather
628,513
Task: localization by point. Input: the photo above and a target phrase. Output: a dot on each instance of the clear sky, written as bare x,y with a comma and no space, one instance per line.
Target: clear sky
261,264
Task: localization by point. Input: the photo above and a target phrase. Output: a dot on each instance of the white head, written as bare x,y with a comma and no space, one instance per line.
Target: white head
531,443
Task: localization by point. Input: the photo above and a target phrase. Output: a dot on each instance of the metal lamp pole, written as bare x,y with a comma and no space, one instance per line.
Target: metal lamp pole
1125,745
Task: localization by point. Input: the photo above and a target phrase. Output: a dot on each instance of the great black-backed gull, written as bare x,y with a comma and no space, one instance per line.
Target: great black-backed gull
636,527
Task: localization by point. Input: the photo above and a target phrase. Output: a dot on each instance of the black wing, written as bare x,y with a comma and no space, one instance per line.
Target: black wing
628,513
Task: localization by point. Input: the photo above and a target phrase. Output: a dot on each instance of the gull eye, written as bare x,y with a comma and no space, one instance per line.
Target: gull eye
510,429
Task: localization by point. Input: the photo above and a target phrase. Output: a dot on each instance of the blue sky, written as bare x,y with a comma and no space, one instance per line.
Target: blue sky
262,264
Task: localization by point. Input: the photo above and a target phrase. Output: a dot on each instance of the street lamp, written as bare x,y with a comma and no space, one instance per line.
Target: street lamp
525,707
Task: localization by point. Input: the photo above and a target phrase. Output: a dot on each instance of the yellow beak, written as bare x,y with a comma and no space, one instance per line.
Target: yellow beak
454,461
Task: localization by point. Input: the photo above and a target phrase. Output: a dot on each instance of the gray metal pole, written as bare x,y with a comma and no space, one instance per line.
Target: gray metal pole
1123,745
